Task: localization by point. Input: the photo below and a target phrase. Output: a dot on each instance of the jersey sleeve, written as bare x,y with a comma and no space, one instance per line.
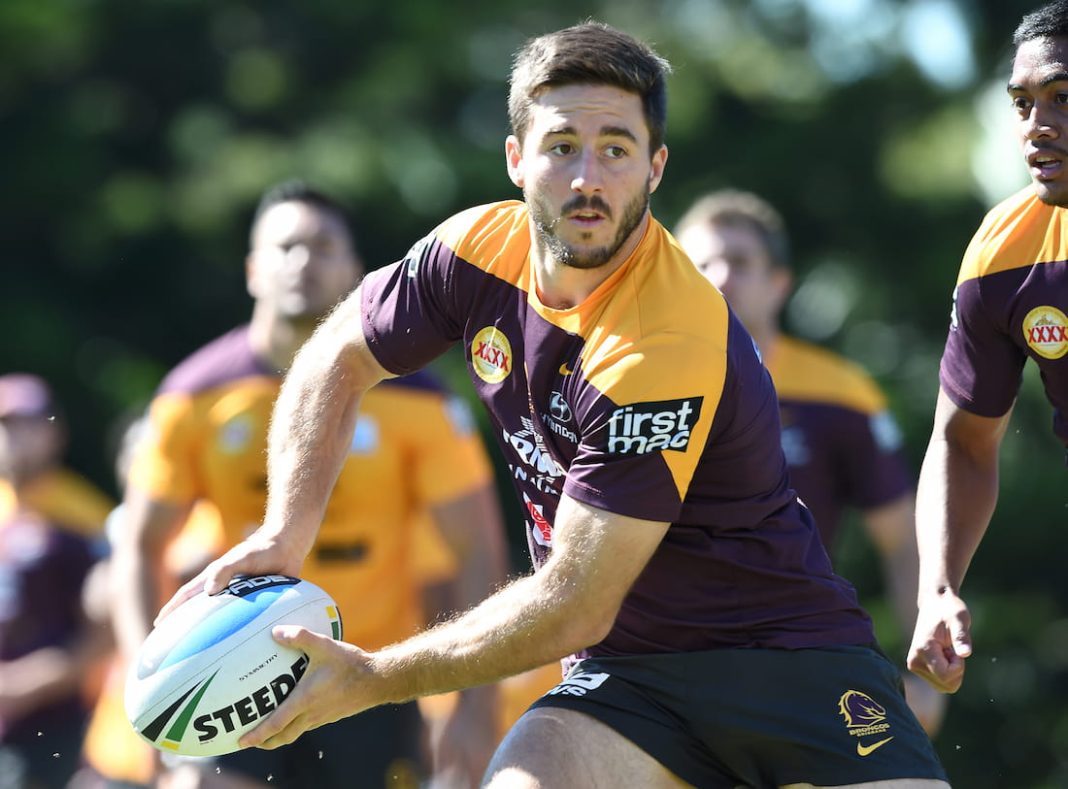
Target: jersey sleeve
409,309
981,367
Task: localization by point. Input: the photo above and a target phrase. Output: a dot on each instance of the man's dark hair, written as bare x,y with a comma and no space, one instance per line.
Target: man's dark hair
1049,21
733,208
298,191
589,54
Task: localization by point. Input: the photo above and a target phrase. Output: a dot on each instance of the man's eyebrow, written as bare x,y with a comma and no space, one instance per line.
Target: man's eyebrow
1059,76
618,131
605,131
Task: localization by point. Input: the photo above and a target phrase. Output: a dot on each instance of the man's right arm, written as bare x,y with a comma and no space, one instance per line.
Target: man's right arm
957,492
144,528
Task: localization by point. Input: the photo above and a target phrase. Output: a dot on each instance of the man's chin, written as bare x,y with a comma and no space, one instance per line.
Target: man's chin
1052,193
303,313
587,260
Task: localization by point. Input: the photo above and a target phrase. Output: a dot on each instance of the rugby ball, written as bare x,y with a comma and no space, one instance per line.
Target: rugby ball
210,671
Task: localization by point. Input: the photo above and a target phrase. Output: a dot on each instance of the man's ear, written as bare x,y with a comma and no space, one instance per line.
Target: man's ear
782,282
250,274
656,173
513,155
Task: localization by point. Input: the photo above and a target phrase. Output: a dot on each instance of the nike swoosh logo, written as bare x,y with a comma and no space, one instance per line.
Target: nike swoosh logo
865,750
564,370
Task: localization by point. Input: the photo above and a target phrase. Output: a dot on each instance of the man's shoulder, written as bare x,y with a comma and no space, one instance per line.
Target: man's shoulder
494,237
68,499
810,373
224,360
1018,232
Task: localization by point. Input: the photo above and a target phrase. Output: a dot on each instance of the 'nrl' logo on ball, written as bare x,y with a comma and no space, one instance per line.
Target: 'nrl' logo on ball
651,426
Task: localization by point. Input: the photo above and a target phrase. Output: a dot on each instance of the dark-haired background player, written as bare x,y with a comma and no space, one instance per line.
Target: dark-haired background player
842,445
1010,304
713,643
415,451
48,647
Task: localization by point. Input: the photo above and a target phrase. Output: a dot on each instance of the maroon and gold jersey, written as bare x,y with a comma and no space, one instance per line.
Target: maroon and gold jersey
842,445
647,400
414,446
1010,303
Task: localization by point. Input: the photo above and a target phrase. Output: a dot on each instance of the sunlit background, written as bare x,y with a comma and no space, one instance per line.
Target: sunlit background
137,136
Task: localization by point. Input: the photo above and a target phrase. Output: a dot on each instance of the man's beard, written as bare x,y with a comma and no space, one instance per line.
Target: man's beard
564,253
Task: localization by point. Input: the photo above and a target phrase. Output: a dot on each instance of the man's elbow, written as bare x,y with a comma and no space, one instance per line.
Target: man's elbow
584,624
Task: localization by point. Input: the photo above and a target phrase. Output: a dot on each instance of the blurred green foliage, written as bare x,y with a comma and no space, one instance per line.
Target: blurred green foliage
137,136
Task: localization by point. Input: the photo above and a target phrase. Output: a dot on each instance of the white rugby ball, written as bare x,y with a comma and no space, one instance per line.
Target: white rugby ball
210,671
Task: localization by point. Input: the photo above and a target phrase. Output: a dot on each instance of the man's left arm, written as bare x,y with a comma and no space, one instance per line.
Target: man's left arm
568,605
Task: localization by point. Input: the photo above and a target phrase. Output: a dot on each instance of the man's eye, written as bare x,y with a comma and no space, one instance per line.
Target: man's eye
1021,104
562,148
615,151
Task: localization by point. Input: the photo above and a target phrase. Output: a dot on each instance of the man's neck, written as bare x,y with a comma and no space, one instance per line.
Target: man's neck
562,287
276,340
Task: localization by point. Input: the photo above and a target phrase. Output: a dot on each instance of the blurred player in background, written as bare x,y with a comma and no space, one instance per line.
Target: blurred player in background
48,647
841,443
1010,305
415,451
46,485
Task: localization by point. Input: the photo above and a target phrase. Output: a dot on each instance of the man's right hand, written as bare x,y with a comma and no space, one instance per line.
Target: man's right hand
941,642
257,555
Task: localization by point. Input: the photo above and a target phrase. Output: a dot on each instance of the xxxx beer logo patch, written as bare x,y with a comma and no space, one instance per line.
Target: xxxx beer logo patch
1045,330
491,355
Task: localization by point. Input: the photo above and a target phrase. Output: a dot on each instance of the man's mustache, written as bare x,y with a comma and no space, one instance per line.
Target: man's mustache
582,201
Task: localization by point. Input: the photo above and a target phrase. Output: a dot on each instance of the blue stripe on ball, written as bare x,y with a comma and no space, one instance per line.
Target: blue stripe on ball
222,623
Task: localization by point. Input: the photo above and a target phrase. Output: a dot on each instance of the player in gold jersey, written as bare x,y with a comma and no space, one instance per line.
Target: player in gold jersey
415,451
840,441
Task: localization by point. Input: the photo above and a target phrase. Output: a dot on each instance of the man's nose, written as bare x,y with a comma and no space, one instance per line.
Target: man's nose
298,256
588,177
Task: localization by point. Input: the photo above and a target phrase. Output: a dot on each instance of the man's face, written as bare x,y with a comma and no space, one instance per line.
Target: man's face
585,171
302,261
1039,91
735,259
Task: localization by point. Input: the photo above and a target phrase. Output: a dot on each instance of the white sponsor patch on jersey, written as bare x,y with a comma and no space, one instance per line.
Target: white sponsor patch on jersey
639,428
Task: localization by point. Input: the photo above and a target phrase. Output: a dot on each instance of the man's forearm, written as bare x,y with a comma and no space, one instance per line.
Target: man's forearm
955,500
525,625
135,600
892,528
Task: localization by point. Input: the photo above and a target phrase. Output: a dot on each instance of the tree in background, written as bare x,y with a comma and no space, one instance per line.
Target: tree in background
136,137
